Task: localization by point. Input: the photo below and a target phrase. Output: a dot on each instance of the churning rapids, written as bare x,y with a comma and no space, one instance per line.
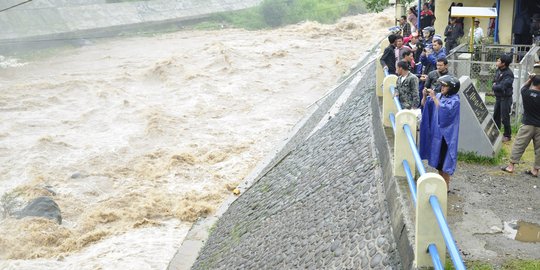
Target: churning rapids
136,138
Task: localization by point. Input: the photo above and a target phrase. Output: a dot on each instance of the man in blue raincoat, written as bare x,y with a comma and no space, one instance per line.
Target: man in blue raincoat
439,129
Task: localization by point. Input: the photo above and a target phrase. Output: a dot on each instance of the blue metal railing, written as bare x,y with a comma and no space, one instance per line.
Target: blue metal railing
432,248
448,238
433,200
410,180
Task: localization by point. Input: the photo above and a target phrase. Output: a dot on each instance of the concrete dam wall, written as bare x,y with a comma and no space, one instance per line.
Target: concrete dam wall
329,203
45,19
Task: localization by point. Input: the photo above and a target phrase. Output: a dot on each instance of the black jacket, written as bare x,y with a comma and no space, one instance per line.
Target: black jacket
502,87
388,59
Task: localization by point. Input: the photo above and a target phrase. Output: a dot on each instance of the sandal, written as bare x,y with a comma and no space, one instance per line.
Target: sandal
505,169
529,172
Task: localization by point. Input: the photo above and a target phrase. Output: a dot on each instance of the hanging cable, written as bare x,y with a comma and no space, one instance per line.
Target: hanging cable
22,3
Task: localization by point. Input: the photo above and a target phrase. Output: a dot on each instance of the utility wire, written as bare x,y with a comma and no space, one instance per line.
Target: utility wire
22,3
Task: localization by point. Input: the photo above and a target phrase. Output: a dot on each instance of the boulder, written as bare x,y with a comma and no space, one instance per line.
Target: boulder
42,207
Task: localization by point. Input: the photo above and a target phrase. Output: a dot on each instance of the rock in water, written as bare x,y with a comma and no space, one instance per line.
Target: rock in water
42,207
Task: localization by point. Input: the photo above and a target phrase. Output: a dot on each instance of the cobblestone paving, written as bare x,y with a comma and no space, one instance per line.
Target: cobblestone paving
321,207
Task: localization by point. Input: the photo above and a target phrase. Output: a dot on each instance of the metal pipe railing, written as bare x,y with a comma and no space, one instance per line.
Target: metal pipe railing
447,235
416,155
396,98
435,258
410,180
433,200
393,120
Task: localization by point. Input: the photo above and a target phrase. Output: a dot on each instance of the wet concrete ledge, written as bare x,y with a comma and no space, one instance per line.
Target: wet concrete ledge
52,22
397,205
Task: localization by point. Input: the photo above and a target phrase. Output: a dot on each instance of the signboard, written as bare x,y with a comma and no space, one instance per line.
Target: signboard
477,105
477,130
478,12
492,131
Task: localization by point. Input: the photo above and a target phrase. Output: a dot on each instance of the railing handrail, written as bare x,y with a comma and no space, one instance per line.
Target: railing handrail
447,234
433,200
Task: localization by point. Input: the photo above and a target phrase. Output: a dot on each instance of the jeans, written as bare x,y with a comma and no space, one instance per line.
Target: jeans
503,105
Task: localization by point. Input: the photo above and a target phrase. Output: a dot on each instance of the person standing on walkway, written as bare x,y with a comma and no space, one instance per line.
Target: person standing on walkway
478,32
452,33
412,18
405,26
406,87
530,130
388,59
439,129
426,16
429,57
503,89
432,78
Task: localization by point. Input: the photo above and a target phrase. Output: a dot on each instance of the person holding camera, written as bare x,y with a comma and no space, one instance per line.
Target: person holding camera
439,129
429,56
530,130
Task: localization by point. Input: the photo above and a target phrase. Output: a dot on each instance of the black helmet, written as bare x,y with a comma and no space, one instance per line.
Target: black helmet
450,81
428,29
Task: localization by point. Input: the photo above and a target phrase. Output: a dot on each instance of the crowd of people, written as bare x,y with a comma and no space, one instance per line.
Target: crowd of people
424,82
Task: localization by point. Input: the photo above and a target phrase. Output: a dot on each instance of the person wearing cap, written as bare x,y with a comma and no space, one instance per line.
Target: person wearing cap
478,32
439,129
503,90
530,130
427,36
406,87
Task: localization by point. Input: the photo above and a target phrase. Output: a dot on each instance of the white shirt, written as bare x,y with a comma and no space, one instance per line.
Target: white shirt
478,34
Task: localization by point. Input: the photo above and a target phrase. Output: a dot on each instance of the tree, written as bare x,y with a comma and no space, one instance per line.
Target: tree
376,5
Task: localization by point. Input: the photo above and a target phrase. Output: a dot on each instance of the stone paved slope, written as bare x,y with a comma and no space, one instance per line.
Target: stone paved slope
323,206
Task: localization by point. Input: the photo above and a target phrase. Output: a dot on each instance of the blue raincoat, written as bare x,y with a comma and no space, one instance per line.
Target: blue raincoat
425,129
444,123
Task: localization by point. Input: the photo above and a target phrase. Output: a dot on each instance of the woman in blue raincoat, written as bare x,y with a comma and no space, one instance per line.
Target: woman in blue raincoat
439,130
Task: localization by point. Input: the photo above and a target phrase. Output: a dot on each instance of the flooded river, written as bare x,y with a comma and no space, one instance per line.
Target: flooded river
136,138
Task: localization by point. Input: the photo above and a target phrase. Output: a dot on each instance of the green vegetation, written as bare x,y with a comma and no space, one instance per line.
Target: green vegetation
471,157
522,265
509,265
275,13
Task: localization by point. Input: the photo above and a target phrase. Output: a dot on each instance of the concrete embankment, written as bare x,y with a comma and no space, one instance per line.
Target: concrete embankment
329,202
44,21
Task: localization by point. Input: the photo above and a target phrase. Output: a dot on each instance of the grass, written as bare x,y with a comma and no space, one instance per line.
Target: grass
508,265
504,155
471,157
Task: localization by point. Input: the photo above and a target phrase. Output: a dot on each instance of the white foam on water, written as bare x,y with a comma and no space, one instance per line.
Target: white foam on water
137,138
